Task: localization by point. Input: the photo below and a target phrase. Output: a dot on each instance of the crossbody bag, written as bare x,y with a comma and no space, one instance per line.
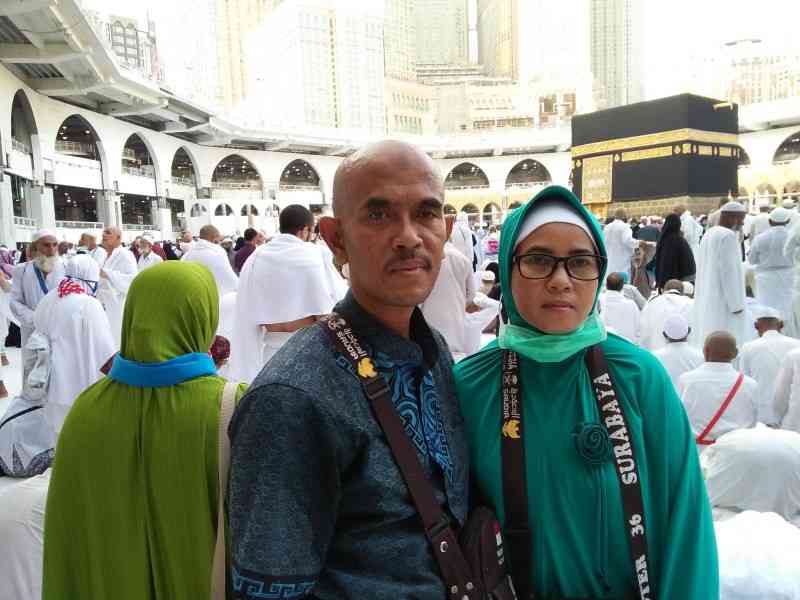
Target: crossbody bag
517,528
472,561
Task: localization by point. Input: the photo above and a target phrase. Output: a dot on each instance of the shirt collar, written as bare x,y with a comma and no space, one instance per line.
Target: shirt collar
420,348
771,333
721,367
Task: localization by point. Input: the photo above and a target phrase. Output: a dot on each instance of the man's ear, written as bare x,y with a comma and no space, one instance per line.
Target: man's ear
330,228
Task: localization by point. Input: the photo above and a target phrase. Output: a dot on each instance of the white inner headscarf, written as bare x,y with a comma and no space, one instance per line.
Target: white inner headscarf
83,270
550,211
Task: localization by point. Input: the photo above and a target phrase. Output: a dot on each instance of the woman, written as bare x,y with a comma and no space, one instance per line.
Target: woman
552,256
674,257
132,507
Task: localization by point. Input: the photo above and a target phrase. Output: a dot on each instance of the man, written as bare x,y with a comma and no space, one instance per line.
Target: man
758,224
147,257
88,245
678,356
647,231
705,390
620,244
787,393
774,276
209,253
306,450
761,359
251,237
227,245
713,217
656,312
487,282
451,298
462,238
31,281
80,341
284,286
794,216
719,286
185,242
116,276
618,312
692,230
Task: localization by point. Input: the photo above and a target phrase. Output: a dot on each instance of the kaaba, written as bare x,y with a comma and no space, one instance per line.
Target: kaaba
647,157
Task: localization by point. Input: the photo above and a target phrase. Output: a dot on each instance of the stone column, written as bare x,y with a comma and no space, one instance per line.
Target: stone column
42,206
109,210
162,218
7,227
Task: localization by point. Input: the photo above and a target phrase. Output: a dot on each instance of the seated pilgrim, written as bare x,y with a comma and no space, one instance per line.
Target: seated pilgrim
586,429
717,397
678,356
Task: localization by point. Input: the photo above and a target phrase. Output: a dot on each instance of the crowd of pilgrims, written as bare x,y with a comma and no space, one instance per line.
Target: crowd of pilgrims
110,336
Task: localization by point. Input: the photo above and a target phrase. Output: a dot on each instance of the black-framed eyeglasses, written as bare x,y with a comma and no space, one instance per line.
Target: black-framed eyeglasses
583,267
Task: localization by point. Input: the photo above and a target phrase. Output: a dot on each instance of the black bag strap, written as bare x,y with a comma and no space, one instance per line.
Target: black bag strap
515,493
455,570
515,498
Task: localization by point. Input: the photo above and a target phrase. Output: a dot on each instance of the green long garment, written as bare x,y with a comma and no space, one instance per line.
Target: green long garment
580,545
132,506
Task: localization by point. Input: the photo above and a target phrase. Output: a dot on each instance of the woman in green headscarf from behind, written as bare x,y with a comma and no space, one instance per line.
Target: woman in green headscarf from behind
552,261
132,505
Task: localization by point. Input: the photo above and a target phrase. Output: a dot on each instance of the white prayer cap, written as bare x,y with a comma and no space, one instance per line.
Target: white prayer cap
487,276
788,204
148,237
760,311
676,327
43,233
688,288
733,207
780,215
551,211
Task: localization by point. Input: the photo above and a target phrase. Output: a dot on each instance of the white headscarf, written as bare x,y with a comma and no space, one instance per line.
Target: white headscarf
83,270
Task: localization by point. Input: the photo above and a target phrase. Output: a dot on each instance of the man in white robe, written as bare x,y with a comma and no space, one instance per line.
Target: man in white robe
774,275
761,359
75,324
791,251
692,230
461,237
618,312
787,392
755,469
88,245
284,286
446,307
207,251
705,389
678,356
719,303
656,312
758,224
620,244
116,276
147,258
32,280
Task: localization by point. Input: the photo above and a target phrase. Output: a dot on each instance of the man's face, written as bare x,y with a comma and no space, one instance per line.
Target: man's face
111,239
391,231
227,245
46,246
145,247
260,239
186,236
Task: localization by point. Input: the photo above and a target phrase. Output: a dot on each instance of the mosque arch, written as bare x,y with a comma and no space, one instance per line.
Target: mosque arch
788,151
299,174
744,158
223,210
23,123
253,210
198,210
528,172
184,167
138,157
235,172
466,175
492,213
449,209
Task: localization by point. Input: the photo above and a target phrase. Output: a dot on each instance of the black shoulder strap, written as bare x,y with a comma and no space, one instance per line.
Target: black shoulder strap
517,529
444,542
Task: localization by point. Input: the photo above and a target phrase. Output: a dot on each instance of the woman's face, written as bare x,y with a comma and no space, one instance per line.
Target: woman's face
559,303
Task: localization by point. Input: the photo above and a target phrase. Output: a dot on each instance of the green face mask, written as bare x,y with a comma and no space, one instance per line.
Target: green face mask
519,335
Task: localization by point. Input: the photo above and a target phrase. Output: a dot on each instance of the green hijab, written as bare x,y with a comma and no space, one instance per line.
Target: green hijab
132,505
518,334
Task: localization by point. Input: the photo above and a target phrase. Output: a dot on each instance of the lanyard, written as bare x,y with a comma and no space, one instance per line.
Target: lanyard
612,416
40,277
